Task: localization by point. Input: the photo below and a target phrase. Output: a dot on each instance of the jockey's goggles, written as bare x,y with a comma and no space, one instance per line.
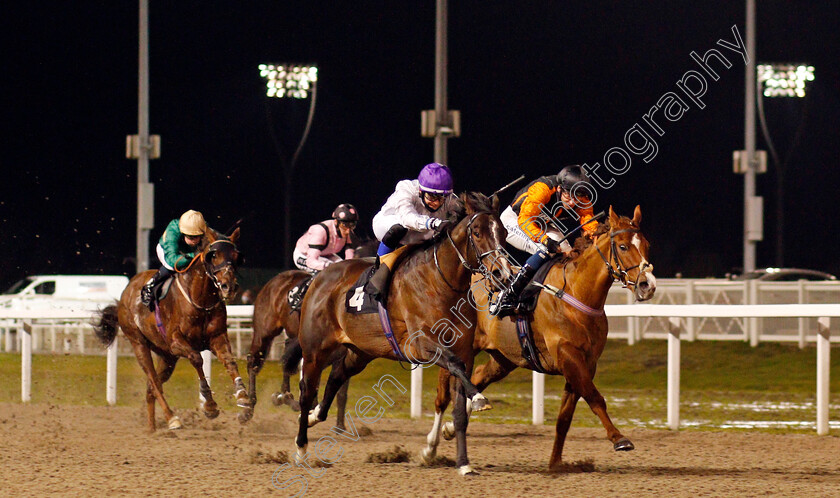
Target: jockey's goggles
348,224
433,197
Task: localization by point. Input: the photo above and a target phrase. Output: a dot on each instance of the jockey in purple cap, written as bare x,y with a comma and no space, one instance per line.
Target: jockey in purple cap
416,211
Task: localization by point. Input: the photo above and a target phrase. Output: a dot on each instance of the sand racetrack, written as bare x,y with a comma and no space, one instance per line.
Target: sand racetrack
85,451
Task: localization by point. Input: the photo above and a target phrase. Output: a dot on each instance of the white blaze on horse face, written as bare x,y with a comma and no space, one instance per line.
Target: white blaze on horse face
651,279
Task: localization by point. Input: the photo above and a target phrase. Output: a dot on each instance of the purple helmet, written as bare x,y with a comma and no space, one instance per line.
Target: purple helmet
435,178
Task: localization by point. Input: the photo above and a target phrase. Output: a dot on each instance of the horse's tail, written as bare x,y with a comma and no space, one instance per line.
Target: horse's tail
105,324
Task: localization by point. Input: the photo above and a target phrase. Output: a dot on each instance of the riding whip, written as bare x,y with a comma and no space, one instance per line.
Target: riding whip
509,185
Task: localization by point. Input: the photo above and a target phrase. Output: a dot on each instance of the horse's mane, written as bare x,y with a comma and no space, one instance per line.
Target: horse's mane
583,243
476,200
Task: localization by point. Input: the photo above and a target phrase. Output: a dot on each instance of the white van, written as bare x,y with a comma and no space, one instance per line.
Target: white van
81,292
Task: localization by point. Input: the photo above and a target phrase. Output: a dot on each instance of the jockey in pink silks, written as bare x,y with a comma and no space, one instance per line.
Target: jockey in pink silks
320,246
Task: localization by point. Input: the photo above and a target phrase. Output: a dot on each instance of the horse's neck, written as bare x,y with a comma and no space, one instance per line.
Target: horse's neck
450,264
587,278
199,286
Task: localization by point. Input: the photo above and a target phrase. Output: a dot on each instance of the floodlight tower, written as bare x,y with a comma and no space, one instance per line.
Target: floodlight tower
780,80
295,81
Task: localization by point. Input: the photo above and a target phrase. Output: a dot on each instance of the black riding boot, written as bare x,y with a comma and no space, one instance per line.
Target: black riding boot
378,282
147,292
508,300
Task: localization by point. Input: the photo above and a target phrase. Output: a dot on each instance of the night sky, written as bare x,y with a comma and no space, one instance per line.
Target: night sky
539,84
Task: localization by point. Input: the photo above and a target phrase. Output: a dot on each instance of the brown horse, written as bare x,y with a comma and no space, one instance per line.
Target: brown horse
426,301
272,316
568,337
194,318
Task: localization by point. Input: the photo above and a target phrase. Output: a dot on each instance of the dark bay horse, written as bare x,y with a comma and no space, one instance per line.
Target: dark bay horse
194,318
569,338
427,307
272,316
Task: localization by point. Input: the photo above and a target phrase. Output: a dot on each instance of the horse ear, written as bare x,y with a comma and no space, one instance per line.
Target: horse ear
637,216
211,236
468,207
613,218
234,237
494,201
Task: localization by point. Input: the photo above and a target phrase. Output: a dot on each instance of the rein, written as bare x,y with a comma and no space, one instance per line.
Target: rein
619,273
210,270
478,256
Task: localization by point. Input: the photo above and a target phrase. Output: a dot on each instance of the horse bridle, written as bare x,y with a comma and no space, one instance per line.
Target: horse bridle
619,272
211,269
479,257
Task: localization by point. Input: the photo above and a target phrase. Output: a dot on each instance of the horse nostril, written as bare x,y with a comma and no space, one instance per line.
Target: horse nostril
644,285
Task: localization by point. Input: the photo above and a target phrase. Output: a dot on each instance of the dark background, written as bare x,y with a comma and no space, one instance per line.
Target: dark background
539,84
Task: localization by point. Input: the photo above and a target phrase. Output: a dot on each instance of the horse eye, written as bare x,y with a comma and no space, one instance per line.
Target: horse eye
622,247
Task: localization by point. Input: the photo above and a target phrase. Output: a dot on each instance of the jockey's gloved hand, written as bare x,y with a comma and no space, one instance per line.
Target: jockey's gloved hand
552,245
438,225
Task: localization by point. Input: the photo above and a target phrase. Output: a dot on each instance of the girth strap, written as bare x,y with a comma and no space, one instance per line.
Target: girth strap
385,321
526,341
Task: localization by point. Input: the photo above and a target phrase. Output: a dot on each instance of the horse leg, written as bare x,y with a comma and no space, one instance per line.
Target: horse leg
489,373
211,410
564,420
292,354
313,365
260,344
459,369
341,404
154,388
580,377
441,403
220,345
345,367
465,390
459,414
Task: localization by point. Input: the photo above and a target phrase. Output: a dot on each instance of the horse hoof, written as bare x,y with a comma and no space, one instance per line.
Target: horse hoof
300,455
427,455
245,415
480,403
313,416
211,414
466,470
277,399
175,423
242,400
623,444
448,431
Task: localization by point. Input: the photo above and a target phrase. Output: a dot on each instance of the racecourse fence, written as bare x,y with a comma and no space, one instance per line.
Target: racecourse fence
691,310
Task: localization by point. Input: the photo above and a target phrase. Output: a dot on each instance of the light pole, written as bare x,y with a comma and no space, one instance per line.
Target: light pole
143,147
752,204
295,81
440,123
780,80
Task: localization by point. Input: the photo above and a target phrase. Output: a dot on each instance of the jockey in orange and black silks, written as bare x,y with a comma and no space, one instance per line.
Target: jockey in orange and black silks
564,200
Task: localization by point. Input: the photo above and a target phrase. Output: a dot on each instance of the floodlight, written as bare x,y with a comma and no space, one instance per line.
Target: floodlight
289,80
784,80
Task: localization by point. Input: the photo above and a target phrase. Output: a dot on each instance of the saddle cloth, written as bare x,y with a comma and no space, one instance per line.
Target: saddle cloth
358,300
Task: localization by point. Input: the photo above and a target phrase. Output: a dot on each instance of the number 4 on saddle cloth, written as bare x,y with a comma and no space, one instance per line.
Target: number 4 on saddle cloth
372,286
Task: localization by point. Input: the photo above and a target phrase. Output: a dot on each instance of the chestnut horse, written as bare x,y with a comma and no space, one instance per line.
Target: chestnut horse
272,316
194,318
425,302
568,336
